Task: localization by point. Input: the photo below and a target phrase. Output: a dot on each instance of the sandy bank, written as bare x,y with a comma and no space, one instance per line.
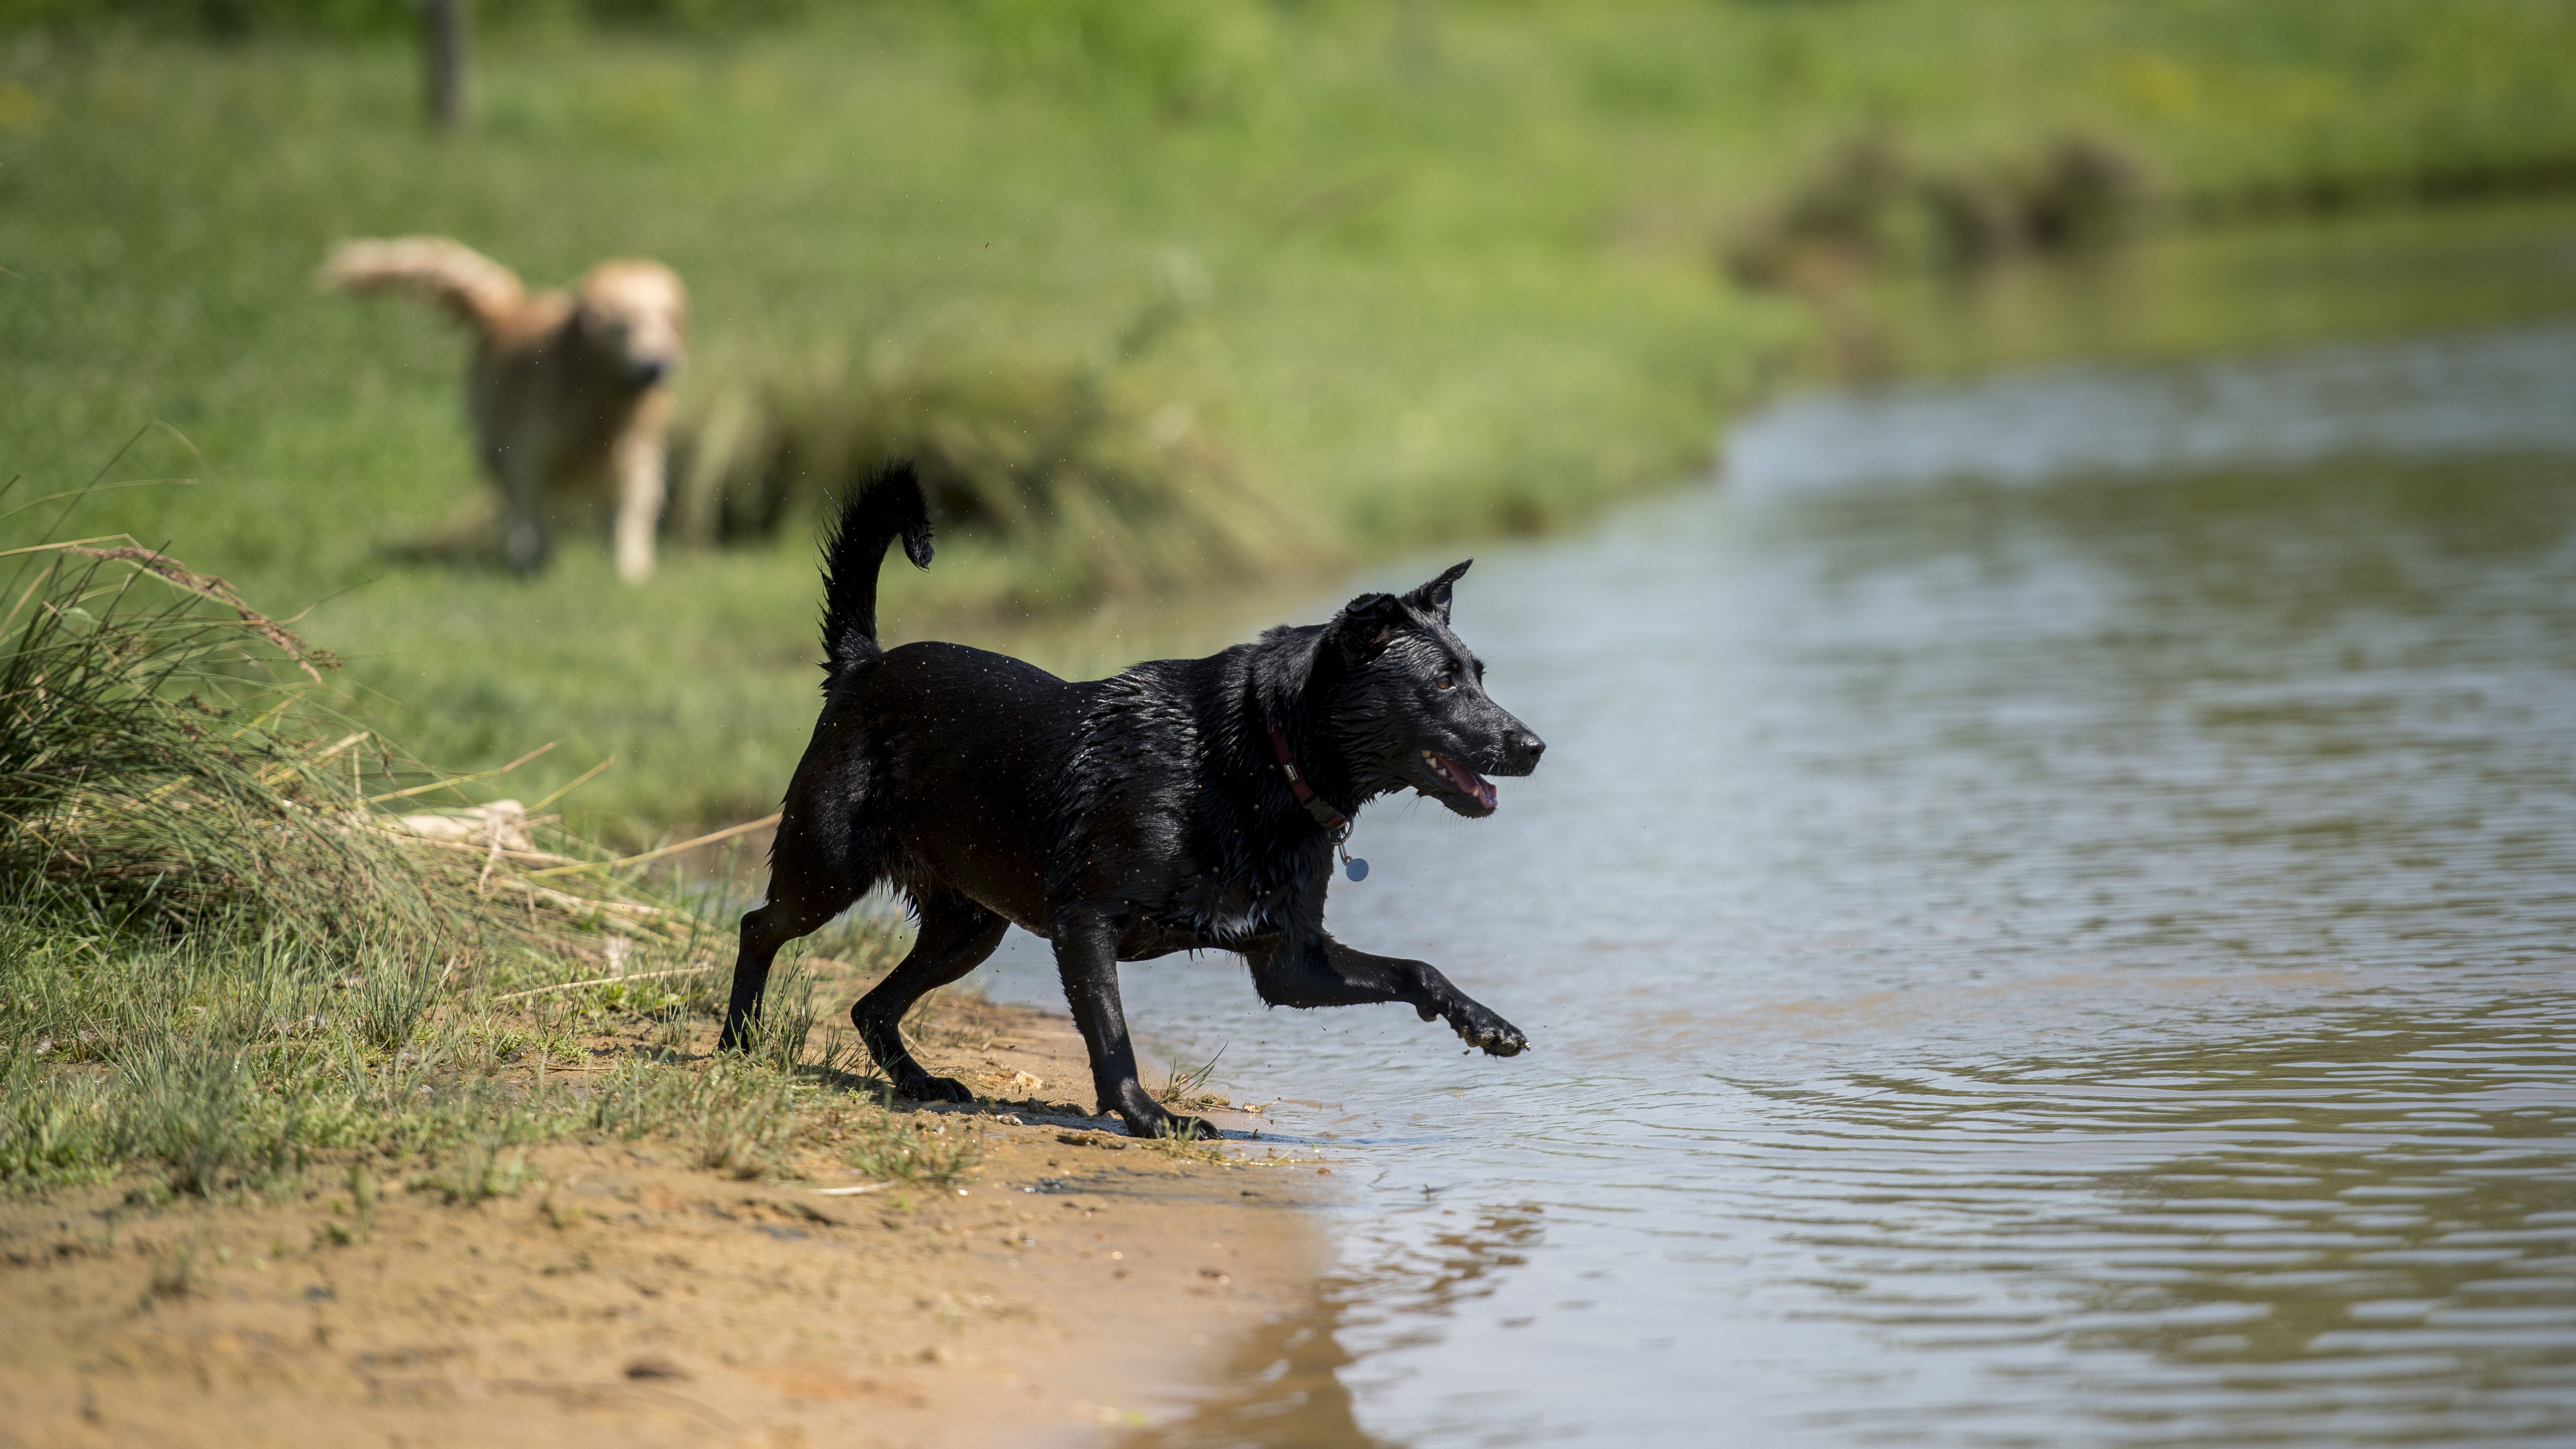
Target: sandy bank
1076,1281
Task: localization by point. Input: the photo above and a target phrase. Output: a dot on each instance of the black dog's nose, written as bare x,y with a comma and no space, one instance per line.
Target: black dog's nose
1530,747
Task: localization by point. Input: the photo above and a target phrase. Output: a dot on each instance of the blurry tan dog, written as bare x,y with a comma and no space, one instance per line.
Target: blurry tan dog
568,391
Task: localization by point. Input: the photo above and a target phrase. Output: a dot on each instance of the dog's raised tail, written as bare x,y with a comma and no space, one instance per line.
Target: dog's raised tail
477,289
889,506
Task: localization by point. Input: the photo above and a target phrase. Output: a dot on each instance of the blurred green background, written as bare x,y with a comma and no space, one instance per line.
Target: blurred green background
1325,279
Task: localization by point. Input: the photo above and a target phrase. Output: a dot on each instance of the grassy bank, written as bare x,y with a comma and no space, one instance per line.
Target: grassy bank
1461,276
232,939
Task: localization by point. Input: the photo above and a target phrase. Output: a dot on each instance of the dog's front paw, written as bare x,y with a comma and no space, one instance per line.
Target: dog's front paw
1480,1028
927,1088
1146,1118
1176,1126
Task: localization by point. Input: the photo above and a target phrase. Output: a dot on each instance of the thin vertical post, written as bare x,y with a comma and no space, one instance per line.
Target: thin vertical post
451,26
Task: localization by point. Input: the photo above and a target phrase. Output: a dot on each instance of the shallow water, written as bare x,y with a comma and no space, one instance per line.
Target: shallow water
2046,920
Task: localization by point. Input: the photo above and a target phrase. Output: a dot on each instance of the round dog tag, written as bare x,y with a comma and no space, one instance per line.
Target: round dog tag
1357,867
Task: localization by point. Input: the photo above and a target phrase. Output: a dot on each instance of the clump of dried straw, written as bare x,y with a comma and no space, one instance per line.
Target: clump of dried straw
163,767
1071,467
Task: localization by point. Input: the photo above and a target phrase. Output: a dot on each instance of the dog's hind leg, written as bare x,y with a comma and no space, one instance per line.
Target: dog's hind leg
819,867
824,858
1321,971
765,929
955,936
1086,955
526,538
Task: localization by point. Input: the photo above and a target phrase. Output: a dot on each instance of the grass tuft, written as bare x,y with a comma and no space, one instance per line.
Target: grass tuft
1088,487
1873,203
487,1167
780,1032
900,1151
177,1275
1185,1087
199,1111
392,999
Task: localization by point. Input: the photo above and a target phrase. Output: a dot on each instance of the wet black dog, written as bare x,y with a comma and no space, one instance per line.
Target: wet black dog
1187,804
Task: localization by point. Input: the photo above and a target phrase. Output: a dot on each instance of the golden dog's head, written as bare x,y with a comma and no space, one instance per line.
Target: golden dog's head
633,317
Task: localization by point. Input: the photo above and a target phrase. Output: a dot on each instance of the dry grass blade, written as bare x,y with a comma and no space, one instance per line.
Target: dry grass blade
1185,1086
711,838
303,655
698,970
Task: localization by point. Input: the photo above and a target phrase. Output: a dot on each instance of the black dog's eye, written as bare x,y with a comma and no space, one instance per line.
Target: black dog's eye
1447,681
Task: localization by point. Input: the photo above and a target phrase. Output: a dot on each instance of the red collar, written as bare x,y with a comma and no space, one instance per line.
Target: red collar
1334,822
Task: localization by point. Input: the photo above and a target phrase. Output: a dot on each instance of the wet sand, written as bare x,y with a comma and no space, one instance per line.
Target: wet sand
1079,1284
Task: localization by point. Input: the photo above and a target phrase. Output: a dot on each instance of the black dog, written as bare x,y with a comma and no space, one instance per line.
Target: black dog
1187,804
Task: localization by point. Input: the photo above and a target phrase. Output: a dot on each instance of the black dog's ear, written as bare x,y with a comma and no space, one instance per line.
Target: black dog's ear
1364,625
1433,597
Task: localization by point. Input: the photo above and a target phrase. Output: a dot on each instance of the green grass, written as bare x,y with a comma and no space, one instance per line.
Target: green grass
225,1063
1463,267
222,1062
223,952
221,1059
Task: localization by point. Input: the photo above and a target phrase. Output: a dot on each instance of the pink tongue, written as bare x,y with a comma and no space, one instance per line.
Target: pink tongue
1469,781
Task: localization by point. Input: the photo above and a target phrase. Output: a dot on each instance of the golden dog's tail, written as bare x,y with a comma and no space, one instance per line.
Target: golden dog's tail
479,290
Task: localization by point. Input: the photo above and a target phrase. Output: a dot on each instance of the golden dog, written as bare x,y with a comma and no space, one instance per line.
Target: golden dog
568,391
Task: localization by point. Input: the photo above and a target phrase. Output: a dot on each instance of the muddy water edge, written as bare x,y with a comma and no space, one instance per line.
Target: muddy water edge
2046,919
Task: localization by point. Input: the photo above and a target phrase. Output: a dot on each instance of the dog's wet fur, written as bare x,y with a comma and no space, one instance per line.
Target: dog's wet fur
1122,819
